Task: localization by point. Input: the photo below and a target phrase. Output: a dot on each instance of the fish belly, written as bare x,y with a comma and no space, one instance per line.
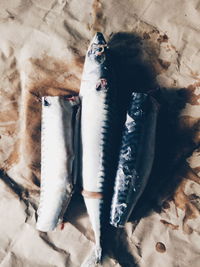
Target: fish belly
93,116
57,159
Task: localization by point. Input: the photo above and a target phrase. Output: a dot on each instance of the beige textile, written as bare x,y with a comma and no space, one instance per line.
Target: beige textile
155,44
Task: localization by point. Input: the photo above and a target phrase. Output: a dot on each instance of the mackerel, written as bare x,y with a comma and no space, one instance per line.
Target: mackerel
97,127
59,141
135,157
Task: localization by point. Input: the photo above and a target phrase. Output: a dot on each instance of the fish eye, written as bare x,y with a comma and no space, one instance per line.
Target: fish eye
46,103
98,88
100,49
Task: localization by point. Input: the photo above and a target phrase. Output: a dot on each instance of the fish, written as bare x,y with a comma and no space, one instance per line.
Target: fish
98,94
59,159
136,156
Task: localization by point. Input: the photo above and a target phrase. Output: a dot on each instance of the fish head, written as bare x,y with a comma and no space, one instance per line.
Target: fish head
96,70
97,49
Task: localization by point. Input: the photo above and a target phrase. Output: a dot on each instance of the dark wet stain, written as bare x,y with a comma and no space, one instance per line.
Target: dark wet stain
12,185
189,94
160,247
189,127
183,201
165,64
52,77
98,17
155,31
195,200
176,140
196,169
32,135
170,225
12,113
18,190
166,205
35,180
146,36
14,156
163,38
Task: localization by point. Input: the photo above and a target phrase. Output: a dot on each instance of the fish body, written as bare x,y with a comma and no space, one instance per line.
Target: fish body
96,125
135,157
59,134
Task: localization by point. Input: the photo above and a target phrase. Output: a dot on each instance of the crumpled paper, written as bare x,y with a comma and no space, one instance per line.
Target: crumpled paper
154,44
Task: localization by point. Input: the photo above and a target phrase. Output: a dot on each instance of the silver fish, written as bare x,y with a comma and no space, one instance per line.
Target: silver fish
135,158
97,95
59,136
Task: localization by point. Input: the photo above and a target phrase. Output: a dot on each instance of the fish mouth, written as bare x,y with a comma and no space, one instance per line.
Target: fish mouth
97,48
98,39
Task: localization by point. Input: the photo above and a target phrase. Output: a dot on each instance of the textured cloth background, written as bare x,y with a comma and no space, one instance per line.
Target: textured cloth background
155,44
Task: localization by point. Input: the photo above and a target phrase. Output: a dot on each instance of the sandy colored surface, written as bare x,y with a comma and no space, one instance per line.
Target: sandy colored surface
154,44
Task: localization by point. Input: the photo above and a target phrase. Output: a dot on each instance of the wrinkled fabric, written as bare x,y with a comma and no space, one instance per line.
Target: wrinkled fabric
153,45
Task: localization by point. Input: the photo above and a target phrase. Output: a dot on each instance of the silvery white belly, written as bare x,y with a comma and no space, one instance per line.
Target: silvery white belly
57,159
93,117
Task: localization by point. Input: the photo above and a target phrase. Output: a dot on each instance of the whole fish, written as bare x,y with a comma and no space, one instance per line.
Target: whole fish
97,123
59,137
136,156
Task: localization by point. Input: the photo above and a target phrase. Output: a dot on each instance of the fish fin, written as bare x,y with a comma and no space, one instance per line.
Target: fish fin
98,253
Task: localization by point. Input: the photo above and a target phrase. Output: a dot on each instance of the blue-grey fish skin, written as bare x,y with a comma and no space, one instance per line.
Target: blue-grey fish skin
135,157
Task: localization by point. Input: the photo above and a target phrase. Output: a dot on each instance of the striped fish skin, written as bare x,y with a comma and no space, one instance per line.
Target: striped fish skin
135,158
96,125
58,138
